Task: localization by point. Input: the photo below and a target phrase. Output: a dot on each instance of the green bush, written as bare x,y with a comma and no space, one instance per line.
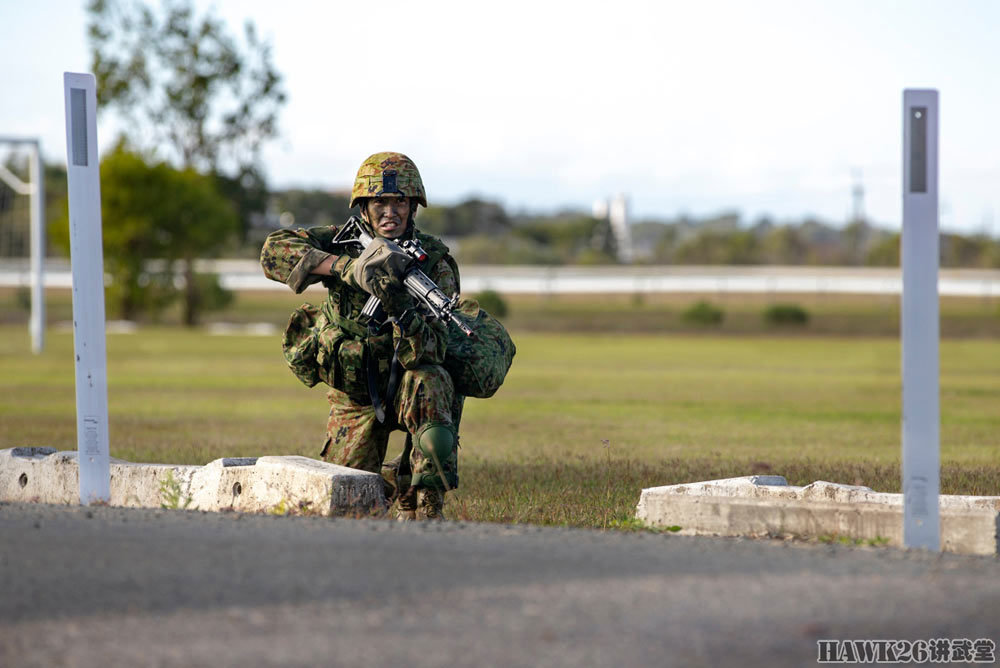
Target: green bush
703,313
482,249
492,302
23,299
147,294
786,314
213,296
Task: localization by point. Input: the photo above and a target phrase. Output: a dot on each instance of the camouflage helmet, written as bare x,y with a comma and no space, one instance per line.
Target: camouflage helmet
388,172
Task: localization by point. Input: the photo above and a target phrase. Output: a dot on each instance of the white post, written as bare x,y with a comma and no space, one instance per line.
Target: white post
35,190
618,218
920,324
87,257
37,325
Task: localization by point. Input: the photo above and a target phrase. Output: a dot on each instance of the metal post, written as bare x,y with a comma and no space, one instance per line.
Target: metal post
87,257
35,190
37,326
920,323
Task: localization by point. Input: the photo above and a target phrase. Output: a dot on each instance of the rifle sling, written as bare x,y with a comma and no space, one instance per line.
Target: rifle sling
349,326
370,362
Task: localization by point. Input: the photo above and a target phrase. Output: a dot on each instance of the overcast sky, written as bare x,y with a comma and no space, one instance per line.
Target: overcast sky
769,107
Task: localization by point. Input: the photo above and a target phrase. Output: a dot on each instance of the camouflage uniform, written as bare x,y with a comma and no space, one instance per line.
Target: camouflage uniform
425,395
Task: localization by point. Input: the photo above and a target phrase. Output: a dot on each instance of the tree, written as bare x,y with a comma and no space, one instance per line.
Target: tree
713,245
885,253
249,194
156,211
962,251
184,85
472,216
855,240
783,245
311,208
568,235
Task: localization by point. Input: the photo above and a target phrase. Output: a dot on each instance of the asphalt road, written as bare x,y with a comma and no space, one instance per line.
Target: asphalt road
117,587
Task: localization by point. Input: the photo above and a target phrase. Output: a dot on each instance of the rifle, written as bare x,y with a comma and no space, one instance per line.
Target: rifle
352,235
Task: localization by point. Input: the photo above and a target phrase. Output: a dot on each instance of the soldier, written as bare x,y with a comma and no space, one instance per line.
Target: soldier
388,367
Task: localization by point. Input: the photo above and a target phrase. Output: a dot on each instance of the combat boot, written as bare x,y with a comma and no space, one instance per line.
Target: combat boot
430,504
406,506
390,478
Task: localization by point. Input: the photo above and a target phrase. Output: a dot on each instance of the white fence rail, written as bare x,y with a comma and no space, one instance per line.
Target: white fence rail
247,275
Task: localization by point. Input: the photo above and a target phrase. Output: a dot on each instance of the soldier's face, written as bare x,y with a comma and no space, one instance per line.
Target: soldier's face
388,215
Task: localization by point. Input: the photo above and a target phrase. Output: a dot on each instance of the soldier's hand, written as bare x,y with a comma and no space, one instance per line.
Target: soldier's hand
378,264
394,297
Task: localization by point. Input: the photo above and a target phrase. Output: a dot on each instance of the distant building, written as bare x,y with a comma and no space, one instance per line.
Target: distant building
615,211
600,209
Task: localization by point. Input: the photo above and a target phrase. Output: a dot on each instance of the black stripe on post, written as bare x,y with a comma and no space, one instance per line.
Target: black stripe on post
78,125
918,149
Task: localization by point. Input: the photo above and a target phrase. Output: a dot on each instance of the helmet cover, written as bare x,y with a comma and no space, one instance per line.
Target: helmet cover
388,173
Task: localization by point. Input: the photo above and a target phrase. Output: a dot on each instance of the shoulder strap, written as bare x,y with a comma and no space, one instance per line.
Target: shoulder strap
332,311
437,251
434,248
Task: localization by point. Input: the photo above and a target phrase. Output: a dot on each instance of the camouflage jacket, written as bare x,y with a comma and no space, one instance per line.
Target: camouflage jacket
289,256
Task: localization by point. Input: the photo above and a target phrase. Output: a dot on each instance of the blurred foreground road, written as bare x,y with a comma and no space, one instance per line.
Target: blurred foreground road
123,587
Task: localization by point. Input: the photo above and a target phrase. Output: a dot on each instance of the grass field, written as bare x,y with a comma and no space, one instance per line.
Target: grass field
830,314
584,421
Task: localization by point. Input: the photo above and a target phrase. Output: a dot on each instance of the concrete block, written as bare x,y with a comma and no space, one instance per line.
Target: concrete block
247,484
769,506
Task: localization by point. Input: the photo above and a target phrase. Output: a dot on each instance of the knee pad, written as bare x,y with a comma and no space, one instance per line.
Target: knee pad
436,440
436,443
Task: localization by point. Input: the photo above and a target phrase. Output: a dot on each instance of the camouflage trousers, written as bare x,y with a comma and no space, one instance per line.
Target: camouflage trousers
355,438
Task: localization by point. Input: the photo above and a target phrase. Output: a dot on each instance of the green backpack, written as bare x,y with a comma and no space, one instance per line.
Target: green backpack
300,343
479,364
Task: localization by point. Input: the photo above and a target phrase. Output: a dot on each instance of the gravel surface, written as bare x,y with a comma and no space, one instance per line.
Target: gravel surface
124,587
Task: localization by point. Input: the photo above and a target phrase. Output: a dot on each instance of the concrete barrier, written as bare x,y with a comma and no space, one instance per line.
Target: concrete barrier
769,506
246,484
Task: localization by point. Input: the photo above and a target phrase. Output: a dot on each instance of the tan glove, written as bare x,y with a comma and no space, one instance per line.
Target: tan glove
394,297
378,267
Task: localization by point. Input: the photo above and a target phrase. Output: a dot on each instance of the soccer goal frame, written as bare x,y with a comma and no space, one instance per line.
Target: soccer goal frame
35,190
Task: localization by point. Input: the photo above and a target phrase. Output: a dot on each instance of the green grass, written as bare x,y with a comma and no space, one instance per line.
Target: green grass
583,423
743,314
